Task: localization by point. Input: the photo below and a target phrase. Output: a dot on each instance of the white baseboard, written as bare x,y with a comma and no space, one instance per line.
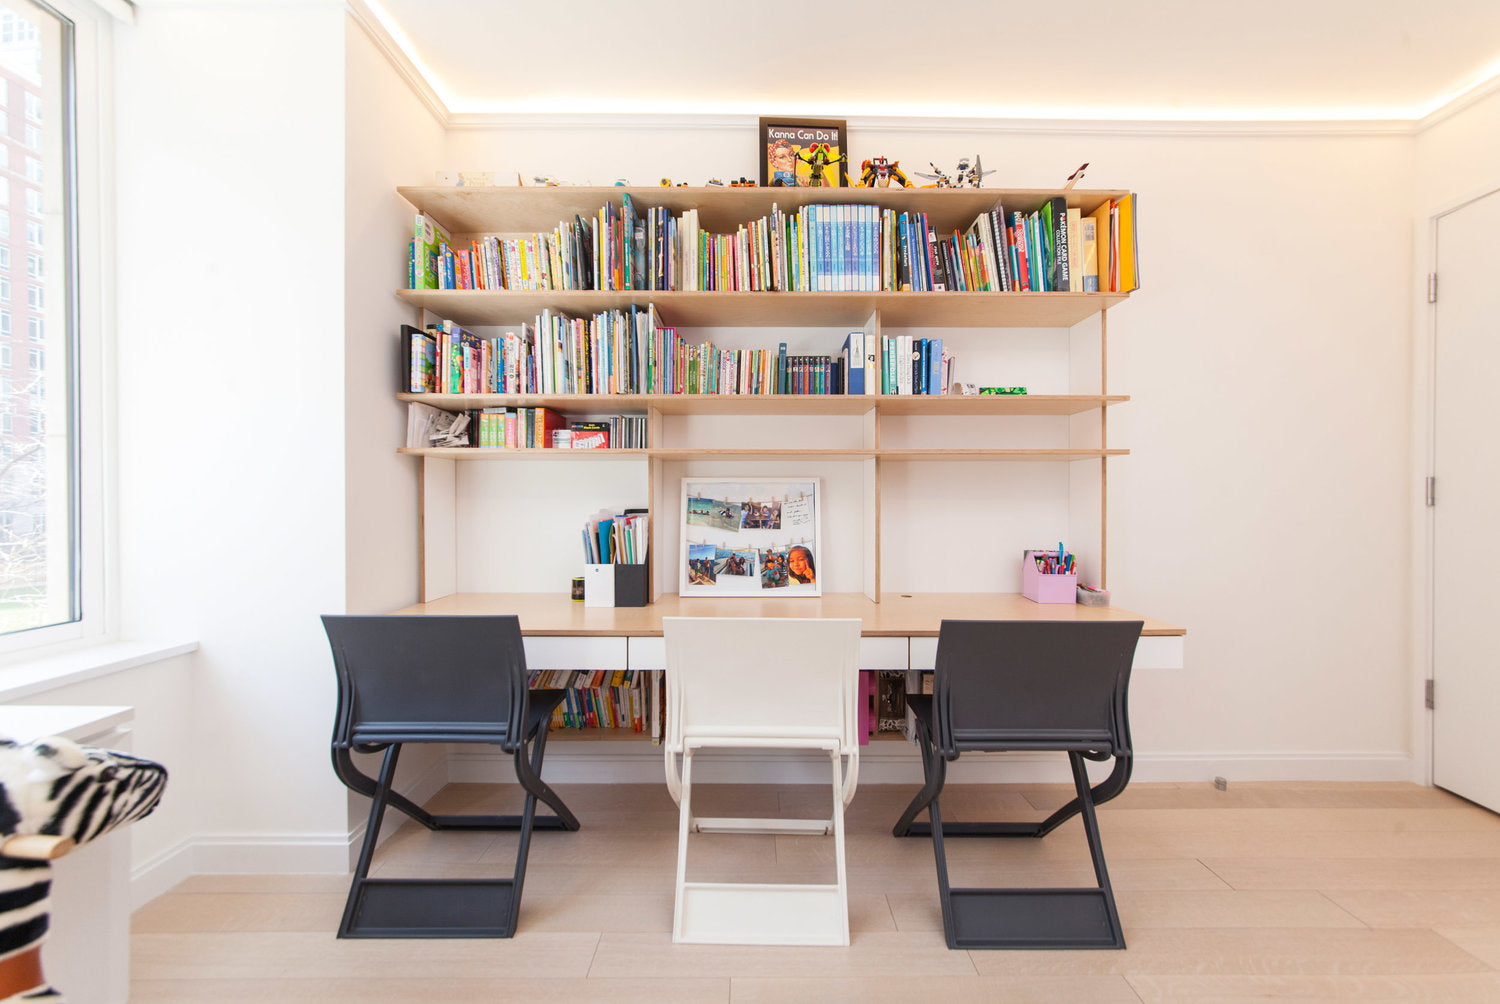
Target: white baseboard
270,853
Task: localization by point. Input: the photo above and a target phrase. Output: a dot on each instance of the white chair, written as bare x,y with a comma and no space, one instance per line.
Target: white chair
761,683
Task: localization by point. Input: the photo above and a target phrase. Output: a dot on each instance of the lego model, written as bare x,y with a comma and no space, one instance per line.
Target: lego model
967,175
879,173
818,157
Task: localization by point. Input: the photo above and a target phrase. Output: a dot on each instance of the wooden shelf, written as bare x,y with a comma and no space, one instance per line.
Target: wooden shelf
791,453
781,404
467,212
492,454
475,308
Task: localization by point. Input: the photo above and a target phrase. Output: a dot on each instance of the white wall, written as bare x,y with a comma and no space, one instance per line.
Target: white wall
1265,506
231,449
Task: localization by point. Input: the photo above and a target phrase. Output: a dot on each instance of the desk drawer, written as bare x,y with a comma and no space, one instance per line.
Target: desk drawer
882,653
647,653
574,653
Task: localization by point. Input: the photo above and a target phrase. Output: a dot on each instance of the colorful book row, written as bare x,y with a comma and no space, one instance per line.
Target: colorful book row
816,248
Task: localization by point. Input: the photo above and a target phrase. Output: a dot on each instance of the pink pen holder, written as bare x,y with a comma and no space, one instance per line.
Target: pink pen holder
1047,588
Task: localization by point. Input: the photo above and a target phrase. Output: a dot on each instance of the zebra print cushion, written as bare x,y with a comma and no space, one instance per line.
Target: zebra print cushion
54,787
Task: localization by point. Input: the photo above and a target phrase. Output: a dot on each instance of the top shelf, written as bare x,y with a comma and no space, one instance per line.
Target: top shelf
468,212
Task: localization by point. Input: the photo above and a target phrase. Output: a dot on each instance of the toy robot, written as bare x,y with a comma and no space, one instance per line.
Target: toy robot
971,176
967,175
879,173
940,179
818,157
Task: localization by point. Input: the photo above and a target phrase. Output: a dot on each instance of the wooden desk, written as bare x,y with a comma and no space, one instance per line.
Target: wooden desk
900,632
897,614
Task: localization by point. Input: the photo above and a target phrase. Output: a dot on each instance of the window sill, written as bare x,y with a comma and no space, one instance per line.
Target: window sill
36,676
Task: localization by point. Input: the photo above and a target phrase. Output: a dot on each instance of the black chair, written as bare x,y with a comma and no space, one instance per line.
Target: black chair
1027,685
437,680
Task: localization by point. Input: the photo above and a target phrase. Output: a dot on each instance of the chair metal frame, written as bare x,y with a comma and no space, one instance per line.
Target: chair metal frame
762,913
1034,663
447,655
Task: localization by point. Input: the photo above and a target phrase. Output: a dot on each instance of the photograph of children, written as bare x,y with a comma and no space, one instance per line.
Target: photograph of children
736,561
799,564
752,536
720,514
773,568
702,564
760,516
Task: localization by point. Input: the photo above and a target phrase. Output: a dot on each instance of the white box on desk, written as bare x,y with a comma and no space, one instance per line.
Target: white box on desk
598,585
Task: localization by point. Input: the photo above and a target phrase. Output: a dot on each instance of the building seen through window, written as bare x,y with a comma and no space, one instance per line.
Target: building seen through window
39,553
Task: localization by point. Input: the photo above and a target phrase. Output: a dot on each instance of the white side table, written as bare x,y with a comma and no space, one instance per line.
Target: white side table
87,951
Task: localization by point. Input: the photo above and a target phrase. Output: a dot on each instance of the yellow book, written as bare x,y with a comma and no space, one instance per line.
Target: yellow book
1101,218
1125,246
1088,261
1075,250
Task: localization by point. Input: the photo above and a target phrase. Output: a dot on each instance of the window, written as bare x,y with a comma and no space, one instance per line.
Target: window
33,295
4,150
4,290
5,224
4,191
4,357
6,423
4,258
41,575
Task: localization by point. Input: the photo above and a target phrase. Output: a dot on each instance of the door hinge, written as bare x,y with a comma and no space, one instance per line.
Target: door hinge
1431,491
1429,694
1432,287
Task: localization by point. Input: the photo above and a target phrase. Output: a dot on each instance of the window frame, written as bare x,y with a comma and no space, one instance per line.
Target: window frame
86,247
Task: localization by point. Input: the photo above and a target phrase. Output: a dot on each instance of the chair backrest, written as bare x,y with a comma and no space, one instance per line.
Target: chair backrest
1034,685
428,679
759,677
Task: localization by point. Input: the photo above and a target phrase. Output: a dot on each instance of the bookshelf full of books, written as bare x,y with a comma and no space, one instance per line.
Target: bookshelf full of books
664,327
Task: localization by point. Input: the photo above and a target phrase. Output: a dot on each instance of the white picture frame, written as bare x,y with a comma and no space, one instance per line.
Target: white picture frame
751,537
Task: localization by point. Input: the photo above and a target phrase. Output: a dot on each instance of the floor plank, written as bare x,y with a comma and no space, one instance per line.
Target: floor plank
1294,891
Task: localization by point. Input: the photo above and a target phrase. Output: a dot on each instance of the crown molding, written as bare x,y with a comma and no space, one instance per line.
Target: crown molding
376,32
1468,99
708,122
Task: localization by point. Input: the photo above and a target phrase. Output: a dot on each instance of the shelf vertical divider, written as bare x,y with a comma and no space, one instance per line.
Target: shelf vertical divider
1103,445
437,513
870,422
655,474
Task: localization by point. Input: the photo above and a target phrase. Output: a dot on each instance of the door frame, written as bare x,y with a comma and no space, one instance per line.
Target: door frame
1424,638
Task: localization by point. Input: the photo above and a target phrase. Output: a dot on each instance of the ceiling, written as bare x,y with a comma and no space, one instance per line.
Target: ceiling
1085,59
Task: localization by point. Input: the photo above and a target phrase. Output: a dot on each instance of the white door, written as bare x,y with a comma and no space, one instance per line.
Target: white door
1466,517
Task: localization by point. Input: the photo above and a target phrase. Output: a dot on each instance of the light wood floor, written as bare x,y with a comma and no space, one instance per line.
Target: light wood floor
1294,891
